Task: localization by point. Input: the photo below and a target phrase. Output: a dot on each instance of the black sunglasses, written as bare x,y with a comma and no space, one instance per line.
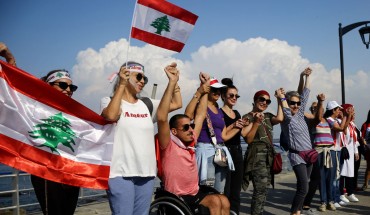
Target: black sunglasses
233,95
294,103
140,76
262,99
64,86
186,127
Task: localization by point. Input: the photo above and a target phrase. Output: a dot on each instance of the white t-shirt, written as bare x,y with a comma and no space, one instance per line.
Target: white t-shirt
133,147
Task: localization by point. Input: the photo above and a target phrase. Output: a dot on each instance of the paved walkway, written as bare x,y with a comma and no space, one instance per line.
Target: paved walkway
278,201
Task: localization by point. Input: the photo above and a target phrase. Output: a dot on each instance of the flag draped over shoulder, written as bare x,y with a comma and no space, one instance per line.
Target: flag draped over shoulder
162,24
47,134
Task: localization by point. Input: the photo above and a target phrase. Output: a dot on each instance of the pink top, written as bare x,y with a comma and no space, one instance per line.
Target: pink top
180,172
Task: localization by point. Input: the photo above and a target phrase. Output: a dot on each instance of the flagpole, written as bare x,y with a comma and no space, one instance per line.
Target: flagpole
129,37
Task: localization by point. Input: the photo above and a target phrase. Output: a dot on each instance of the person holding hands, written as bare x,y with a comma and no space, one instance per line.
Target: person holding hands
295,127
133,168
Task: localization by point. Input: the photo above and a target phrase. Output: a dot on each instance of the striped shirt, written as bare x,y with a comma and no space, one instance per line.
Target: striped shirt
338,136
295,127
323,135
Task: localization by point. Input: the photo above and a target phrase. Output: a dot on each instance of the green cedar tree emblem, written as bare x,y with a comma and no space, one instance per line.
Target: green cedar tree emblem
161,24
55,130
59,74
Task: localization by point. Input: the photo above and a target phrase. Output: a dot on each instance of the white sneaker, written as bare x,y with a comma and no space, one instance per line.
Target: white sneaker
337,205
352,198
341,203
344,199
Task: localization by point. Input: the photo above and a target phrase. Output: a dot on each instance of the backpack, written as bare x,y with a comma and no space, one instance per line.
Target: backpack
148,103
284,141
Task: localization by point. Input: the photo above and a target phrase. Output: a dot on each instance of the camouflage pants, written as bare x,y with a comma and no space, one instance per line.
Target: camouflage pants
261,178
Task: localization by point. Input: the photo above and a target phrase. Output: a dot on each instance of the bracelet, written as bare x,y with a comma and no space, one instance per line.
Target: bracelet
282,99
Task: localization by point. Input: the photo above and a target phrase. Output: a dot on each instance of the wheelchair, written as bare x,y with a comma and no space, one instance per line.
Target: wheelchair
166,203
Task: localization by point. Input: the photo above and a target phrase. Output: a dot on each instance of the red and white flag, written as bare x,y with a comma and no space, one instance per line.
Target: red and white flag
47,134
162,23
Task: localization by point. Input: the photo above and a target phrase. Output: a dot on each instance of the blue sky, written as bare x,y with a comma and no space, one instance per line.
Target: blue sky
45,35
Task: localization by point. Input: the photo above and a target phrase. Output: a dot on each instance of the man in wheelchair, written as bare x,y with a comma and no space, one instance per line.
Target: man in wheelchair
176,139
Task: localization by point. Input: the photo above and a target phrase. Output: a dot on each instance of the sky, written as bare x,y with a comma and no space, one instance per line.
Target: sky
261,44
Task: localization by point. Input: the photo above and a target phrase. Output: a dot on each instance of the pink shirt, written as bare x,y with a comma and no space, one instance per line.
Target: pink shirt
180,172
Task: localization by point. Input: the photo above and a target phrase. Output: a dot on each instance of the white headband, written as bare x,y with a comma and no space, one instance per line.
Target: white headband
58,75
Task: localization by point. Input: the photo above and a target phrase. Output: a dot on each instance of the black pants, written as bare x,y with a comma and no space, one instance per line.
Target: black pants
61,198
348,183
234,178
313,184
302,173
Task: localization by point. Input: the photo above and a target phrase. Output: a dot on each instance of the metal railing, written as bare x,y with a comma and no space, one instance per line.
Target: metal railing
17,194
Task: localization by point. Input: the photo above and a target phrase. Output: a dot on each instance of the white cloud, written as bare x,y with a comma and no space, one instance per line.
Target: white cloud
255,64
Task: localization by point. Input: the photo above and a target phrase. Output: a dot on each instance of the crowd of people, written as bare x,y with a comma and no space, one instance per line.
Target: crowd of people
324,146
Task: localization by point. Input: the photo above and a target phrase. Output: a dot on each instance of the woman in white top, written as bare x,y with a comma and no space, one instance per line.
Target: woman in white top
347,172
133,167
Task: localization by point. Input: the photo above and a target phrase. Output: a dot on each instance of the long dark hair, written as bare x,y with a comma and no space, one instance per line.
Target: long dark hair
368,117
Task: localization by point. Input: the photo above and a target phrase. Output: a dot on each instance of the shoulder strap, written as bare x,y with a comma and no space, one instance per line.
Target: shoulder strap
211,130
148,103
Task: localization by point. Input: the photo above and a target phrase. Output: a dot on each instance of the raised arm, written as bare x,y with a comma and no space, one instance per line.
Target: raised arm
320,109
5,53
201,91
113,111
280,115
302,82
200,114
347,117
164,107
176,100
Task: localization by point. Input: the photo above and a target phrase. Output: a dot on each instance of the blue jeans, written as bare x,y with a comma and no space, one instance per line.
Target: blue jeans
208,170
130,195
335,186
327,178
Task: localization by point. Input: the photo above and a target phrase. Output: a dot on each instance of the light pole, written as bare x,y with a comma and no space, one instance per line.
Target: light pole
365,36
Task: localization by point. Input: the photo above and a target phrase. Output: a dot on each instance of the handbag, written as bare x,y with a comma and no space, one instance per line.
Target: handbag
309,156
220,157
277,163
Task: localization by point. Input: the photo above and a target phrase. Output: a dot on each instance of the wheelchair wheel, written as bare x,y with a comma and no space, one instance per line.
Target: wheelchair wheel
169,206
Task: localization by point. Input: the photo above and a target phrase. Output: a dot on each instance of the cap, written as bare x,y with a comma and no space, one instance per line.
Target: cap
332,104
215,84
260,93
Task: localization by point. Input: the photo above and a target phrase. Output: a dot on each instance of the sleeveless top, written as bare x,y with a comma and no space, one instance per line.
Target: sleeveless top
322,134
235,140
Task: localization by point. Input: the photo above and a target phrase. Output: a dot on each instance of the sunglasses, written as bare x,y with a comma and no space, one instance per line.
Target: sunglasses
294,103
64,86
140,76
213,89
233,95
186,127
262,99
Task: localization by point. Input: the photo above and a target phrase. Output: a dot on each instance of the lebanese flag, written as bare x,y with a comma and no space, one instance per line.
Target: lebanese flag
47,134
162,23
